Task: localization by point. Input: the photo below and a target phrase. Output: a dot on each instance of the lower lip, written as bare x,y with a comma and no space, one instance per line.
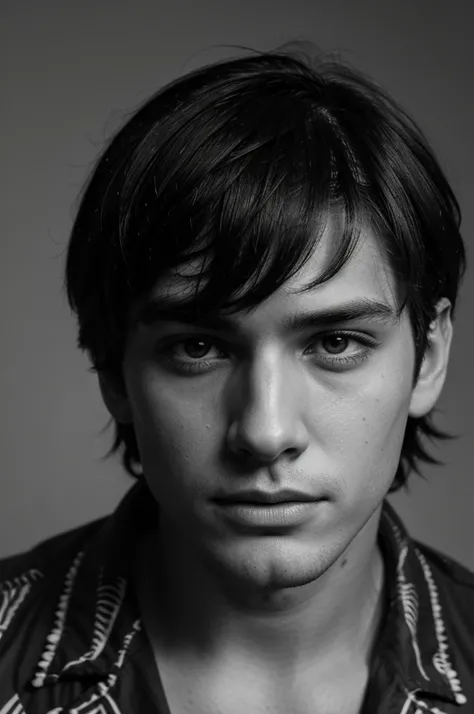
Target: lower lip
272,515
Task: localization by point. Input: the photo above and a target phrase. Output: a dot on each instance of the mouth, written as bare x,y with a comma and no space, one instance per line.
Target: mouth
267,498
282,509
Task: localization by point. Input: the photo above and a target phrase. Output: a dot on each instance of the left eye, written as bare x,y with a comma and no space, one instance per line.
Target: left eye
341,349
335,344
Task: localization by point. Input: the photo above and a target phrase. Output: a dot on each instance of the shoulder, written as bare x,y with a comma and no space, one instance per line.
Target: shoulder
29,587
67,616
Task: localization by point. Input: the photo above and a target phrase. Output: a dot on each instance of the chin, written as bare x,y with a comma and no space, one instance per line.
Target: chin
273,567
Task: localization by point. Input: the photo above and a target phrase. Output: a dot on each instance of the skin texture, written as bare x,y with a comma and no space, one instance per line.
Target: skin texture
269,408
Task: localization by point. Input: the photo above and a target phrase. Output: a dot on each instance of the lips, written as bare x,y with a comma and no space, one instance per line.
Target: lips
279,512
262,498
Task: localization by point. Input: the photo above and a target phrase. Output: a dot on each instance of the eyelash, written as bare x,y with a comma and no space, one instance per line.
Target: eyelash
195,366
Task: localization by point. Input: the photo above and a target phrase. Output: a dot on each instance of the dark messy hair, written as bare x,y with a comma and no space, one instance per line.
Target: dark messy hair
240,164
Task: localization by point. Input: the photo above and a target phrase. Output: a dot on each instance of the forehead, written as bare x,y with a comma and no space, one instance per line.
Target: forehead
366,274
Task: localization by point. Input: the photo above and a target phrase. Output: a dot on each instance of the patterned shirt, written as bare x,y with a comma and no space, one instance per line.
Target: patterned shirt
72,641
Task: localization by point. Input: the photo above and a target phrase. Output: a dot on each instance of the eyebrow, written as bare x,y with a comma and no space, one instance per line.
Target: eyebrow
164,309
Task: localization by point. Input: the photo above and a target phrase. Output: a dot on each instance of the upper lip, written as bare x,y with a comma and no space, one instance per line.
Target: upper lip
255,496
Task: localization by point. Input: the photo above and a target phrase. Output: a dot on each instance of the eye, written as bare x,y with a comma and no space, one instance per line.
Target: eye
335,344
196,348
190,354
341,350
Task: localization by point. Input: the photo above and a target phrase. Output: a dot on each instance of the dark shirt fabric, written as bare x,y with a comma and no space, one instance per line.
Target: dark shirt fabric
71,638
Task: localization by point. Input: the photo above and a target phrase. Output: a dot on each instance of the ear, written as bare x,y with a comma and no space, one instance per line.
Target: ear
115,398
435,362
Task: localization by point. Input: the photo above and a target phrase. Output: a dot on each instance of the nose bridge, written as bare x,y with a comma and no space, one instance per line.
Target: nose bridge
269,420
268,384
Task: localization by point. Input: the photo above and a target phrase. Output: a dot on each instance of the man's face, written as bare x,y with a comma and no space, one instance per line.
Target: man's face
261,405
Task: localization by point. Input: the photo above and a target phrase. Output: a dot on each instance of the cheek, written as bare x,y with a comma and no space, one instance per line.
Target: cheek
367,427
174,426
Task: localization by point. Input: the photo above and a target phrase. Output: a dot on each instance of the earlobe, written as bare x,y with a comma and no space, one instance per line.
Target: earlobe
435,363
115,398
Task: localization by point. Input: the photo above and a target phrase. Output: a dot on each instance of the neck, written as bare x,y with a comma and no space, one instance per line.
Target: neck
336,615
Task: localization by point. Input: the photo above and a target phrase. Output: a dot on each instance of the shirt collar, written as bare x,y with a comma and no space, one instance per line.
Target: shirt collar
96,618
414,644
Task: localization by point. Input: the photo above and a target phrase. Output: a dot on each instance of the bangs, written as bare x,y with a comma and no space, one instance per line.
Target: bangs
246,204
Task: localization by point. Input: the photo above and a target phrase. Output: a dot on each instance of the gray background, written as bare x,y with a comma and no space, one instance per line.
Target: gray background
71,71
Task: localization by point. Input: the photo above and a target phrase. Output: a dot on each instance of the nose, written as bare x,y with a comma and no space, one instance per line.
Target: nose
267,412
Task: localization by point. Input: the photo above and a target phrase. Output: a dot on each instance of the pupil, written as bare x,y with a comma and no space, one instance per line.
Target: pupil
196,348
335,344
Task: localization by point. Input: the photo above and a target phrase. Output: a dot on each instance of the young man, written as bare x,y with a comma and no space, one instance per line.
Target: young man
264,266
